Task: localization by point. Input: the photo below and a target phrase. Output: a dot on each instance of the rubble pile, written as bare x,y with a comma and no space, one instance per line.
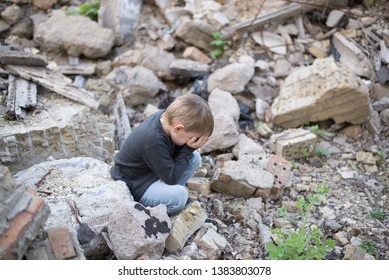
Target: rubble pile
300,95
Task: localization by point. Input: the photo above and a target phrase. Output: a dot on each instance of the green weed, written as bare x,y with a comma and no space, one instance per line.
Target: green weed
369,247
381,154
219,44
88,9
319,132
379,214
321,152
304,152
305,243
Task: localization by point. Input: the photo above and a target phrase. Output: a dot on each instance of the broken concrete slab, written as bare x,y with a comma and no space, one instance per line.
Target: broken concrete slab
79,191
242,180
62,129
324,90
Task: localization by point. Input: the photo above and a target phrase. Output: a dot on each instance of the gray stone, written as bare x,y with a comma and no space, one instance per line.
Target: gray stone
247,147
138,84
196,33
63,129
334,18
135,230
158,61
57,34
226,113
212,243
232,78
189,68
120,16
384,115
242,180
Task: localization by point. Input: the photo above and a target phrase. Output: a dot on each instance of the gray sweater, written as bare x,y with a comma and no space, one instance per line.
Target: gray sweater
148,155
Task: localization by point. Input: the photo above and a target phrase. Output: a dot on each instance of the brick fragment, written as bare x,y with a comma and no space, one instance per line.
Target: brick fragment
61,243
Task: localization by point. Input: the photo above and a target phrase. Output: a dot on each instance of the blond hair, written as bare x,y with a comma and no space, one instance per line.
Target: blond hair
193,112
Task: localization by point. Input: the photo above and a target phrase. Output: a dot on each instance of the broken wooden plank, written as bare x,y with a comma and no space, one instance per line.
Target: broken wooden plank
122,122
21,97
289,11
22,58
54,81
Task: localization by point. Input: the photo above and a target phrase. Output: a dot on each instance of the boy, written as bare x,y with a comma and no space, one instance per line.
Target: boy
159,156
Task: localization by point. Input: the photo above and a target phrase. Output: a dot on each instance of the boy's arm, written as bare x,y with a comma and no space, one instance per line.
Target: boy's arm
169,170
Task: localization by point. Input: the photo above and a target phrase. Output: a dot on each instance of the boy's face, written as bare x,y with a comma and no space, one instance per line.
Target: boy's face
181,137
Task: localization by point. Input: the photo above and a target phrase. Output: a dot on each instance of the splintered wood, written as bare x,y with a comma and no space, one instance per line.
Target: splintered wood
55,82
21,97
121,119
22,58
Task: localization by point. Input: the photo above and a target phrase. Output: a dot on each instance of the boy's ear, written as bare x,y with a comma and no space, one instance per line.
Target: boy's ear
178,128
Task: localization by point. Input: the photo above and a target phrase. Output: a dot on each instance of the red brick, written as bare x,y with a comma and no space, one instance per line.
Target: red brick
196,54
15,231
35,205
61,243
280,168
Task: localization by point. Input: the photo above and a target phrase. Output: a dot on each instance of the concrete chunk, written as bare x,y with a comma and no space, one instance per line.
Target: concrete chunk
352,56
290,143
184,225
322,91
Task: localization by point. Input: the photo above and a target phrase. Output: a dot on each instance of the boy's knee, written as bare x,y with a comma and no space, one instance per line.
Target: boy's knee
178,202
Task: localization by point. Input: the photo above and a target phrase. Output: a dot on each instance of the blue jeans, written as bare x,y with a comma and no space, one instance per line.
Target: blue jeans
173,196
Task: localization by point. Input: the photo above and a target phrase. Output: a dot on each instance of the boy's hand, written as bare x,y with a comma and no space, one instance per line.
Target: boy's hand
196,143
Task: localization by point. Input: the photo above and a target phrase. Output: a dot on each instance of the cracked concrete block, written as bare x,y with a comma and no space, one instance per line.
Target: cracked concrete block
325,90
293,143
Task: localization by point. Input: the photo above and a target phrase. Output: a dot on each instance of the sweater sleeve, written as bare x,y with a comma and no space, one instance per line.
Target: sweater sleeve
167,168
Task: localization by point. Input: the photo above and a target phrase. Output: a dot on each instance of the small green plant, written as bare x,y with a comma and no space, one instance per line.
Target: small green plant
319,132
379,214
294,164
304,152
321,152
219,44
305,243
88,9
3,99
369,246
381,154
